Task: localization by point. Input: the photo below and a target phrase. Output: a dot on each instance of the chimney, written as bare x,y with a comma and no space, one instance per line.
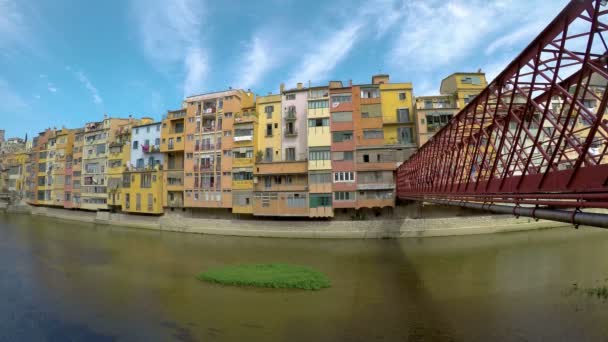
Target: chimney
350,83
299,85
282,87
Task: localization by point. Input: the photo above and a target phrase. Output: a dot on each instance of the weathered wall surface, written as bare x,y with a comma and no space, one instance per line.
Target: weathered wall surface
378,228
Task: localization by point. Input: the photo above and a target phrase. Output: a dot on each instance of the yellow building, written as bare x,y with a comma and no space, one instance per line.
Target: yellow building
269,124
319,135
464,86
45,162
243,150
118,158
456,91
62,146
397,113
432,113
142,191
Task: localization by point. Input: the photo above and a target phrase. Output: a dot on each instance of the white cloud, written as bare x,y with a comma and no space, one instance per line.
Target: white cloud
89,86
52,88
195,64
257,62
171,38
523,34
37,96
42,75
372,20
316,65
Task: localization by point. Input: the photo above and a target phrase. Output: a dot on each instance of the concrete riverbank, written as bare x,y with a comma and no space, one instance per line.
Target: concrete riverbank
337,229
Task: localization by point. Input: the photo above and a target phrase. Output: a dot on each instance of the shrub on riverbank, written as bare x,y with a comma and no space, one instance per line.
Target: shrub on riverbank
268,275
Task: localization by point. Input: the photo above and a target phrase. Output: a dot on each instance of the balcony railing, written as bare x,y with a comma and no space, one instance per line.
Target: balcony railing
150,148
291,116
207,147
208,128
170,146
175,114
292,133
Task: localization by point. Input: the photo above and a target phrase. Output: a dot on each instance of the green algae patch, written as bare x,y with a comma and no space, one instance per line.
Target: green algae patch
268,275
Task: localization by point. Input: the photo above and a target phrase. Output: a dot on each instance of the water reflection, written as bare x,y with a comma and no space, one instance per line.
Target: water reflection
103,283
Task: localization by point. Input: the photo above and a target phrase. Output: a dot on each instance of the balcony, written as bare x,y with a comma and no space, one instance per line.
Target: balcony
206,147
176,114
208,129
211,110
176,203
242,162
281,168
291,116
376,186
150,148
292,133
243,138
375,203
245,117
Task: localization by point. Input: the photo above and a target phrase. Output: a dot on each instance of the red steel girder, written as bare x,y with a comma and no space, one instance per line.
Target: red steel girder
537,134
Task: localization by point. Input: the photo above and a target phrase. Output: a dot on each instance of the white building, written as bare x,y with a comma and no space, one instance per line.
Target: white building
145,146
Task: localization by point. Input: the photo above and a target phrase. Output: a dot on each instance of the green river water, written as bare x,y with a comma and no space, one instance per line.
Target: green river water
66,281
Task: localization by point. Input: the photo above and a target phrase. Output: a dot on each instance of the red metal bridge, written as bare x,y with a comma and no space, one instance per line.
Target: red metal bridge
534,141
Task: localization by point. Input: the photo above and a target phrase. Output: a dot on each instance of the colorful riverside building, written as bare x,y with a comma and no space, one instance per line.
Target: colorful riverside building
198,144
119,157
60,152
245,130
73,172
142,180
280,172
456,91
94,190
319,153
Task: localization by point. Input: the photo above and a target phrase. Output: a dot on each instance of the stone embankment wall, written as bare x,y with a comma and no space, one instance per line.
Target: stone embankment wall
377,228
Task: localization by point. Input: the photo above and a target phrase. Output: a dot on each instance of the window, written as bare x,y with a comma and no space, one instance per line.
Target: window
267,182
227,133
291,128
228,115
320,200
344,176
127,201
319,178
290,153
157,141
148,129
296,200
290,97
405,135
344,195
403,115
189,155
268,154
135,145
342,117
150,202
268,110
147,142
137,131
268,130
126,181
318,155
346,155
318,104
145,180
373,134
342,136
370,93
366,158
318,122
471,80
401,96
336,100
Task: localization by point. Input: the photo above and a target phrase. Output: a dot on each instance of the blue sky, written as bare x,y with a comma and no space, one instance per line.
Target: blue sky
68,62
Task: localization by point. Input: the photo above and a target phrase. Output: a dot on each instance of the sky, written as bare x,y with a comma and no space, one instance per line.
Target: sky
67,62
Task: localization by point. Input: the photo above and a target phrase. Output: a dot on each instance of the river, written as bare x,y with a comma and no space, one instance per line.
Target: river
83,282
